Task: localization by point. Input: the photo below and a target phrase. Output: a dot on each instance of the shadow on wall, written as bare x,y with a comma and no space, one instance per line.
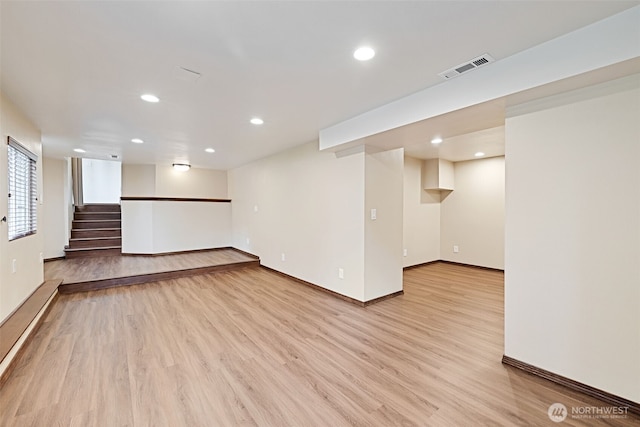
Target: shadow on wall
433,196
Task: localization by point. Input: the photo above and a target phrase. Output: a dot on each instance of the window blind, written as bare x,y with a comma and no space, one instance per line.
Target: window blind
22,218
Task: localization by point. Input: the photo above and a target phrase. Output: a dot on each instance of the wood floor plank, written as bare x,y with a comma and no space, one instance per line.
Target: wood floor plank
254,348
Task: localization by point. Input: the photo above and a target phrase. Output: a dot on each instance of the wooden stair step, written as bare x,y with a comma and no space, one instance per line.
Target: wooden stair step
93,252
95,238
95,224
97,232
89,249
114,216
92,242
99,207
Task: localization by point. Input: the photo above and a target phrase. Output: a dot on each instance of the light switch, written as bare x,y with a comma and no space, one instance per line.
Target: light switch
374,214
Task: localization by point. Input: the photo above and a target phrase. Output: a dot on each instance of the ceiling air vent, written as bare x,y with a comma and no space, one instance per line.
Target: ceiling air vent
467,66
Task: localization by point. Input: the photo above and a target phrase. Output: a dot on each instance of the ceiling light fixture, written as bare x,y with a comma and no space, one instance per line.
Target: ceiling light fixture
181,167
137,141
256,121
149,97
436,140
79,150
479,154
364,53
209,150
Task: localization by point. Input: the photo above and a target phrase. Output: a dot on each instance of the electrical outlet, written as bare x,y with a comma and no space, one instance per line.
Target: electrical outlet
456,249
283,257
404,252
341,273
14,266
374,214
248,241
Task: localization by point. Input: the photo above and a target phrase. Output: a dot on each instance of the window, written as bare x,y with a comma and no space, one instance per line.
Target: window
23,192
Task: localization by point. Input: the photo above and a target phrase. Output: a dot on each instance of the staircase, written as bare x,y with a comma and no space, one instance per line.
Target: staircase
96,231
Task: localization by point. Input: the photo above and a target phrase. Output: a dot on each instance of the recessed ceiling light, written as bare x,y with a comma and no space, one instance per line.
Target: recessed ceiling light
181,167
149,97
436,140
256,121
79,150
479,154
364,53
209,150
137,141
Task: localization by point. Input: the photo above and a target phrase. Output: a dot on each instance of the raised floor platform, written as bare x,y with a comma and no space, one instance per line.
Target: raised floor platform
87,274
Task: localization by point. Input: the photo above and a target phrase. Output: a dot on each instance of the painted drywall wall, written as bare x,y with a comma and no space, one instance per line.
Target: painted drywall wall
137,227
26,251
572,265
308,206
191,226
384,176
138,180
421,217
196,182
57,200
150,227
165,181
101,181
472,215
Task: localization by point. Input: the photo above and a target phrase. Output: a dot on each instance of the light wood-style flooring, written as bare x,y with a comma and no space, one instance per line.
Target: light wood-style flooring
251,348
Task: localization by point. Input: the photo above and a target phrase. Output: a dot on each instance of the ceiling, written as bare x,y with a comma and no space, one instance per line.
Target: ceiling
77,69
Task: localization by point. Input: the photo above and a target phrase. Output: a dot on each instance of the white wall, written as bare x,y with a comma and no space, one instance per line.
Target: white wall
383,235
153,227
101,181
150,227
196,183
165,181
572,289
309,206
138,180
421,217
16,287
56,207
137,227
472,215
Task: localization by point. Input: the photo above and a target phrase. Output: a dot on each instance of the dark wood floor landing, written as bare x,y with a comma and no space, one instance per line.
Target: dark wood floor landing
87,274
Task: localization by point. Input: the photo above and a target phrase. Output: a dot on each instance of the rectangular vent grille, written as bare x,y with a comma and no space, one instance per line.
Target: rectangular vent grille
467,66
480,62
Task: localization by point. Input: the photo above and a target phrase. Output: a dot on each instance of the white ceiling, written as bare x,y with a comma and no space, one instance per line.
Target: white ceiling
77,69
462,147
